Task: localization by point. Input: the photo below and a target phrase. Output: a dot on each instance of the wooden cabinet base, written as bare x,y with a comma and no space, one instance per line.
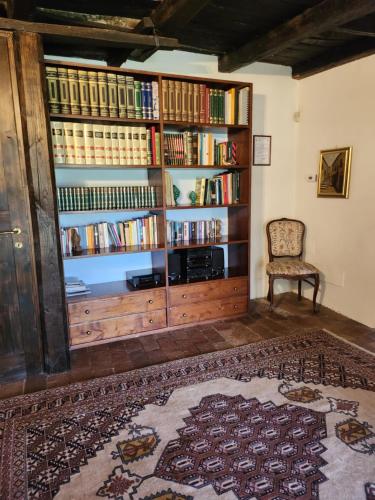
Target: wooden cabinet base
214,309
95,331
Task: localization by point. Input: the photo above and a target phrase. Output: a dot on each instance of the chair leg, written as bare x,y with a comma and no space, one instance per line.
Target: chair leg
270,291
299,290
316,288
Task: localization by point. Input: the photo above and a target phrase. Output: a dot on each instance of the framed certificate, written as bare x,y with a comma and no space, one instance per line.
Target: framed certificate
262,150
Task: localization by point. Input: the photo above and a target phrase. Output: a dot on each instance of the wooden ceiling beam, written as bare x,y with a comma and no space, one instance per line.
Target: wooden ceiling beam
20,9
334,57
322,17
65,34
169,17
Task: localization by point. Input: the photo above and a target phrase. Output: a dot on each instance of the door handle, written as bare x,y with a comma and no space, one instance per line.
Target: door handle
16,230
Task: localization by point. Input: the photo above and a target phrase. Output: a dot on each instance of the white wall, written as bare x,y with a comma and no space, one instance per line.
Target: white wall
275,101
338,109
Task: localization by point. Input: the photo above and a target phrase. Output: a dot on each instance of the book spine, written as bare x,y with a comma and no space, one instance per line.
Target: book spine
178,92
122,145
88,135
58,144
84,96
112,95
75,107
129,146
144,100
172,99
115,145
98,131
108,155
155,100
184,101
202,103
93,93
121,95
63,87
79,143
52,85
190,102
149,146
103,94
136,146
157,148
165,100
138,99
130,100
196,97
69,143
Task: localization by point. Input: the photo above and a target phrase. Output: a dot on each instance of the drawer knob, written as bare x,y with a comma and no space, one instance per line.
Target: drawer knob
235,306
235,289
150,301
184,296
88,332
87,311
184,315
150,320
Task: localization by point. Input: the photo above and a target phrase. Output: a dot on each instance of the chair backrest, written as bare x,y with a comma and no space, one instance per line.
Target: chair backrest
285,238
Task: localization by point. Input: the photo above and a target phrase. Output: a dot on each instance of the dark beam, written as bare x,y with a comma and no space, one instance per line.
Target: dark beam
169,17
21,9
334,57
348,31
322,17
89,36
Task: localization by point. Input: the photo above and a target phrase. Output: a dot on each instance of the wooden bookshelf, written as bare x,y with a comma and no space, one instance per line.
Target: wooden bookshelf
115,307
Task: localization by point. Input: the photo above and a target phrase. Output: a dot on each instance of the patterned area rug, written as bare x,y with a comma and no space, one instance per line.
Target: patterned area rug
280,419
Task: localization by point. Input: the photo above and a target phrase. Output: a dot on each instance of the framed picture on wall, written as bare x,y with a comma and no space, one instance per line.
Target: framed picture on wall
334,172
262,150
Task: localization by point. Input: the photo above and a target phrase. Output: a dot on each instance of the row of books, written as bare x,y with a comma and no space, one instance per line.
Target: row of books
220,189
107,198
190,231
199,103
95,144
98,93
142,231
198,148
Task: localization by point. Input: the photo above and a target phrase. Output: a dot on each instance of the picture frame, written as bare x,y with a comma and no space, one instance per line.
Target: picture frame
262,150
334,173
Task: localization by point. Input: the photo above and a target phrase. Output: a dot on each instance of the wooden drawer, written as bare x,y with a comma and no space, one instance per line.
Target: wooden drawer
191,313
117,327
102,308
209,290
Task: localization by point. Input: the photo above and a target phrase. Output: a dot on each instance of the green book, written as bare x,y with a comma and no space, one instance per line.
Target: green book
138,99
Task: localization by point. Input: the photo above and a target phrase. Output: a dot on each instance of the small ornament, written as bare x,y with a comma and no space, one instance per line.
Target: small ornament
176,194
193,197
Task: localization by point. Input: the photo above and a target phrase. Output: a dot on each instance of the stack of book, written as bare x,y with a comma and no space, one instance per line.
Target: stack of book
107,198
193,231
98,93
198,103
198,148
75,286
142,231
222,189
95,144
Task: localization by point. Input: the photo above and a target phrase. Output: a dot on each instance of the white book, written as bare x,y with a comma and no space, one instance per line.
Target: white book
115,145
122,143
69,143
143,145
136,145
155,100
58,142
99,144
79,143
88,134
108,145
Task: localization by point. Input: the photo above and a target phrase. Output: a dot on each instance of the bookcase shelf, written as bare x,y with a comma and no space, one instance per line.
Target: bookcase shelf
102,252
189,207
161,300
104,119
223,240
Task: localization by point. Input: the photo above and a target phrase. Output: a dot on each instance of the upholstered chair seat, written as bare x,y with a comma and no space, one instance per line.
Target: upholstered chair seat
290,267
285,248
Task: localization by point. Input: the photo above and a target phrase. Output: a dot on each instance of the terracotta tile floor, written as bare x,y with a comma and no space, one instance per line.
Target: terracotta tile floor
289,316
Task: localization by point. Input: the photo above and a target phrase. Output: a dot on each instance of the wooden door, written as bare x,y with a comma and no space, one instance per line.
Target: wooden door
20,338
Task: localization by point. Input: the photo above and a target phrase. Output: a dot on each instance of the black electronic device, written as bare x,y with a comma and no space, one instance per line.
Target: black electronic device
217,262
140,281
174,267
196,264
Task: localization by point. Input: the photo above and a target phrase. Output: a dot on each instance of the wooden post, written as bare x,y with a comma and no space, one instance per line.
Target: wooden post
42,189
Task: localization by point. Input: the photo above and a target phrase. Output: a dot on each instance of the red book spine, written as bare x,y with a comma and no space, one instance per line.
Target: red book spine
225,185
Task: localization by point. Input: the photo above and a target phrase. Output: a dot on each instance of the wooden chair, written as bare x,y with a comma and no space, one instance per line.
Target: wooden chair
285,249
